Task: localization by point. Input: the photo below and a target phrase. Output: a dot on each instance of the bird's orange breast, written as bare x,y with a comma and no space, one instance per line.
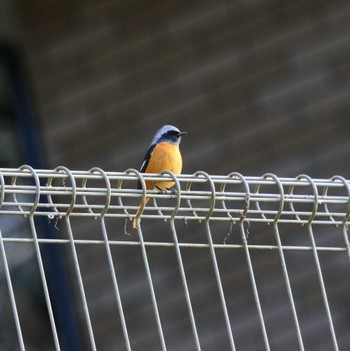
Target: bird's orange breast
165,156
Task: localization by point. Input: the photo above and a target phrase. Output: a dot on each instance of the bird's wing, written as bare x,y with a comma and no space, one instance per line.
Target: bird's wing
147,158
146,161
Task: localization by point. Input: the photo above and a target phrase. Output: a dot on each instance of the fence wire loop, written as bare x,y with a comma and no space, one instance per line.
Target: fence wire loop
212,195
161,191
49,199
281,191
347,187
37,189
177,192
315,194
120,201
69,174
189,202
2,186
325,205
108,192
143,191
291,205
247,196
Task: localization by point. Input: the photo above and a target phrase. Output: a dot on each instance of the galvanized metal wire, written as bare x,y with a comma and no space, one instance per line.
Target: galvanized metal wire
63,194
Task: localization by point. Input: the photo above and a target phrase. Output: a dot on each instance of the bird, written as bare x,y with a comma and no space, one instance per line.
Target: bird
163,154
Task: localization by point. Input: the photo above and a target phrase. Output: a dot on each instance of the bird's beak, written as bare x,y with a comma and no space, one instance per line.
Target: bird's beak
182,133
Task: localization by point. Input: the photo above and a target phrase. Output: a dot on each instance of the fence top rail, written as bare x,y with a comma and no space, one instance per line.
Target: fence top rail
199,196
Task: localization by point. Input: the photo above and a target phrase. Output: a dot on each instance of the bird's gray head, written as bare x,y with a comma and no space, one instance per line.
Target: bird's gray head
169,134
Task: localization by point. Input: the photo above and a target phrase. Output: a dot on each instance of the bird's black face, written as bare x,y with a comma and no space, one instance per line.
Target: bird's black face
172,136
168,134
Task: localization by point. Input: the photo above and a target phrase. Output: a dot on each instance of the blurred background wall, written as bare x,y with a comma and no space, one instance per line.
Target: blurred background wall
260,86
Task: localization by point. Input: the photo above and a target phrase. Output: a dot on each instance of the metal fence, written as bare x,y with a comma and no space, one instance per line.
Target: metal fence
238,202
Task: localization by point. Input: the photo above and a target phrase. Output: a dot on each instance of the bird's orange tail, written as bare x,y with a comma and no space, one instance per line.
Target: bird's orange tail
134,222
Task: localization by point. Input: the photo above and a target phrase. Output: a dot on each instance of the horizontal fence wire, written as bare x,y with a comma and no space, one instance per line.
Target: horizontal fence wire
62,194
233,198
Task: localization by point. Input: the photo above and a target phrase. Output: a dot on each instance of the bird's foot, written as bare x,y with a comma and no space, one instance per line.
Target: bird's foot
172,190
162,191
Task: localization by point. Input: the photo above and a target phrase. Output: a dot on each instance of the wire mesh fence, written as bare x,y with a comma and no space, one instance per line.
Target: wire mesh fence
229,262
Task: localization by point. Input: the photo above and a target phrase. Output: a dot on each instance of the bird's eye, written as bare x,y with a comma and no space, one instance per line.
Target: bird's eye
172,132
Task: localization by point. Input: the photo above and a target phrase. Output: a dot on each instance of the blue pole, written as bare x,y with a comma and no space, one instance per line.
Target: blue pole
31,146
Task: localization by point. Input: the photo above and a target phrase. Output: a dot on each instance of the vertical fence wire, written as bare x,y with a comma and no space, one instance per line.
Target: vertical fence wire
75,255
80,283
317,260
214,259
12,295
244,236
323,288
282,258
346,239
180,261
8,274
115,285
44,282
112,269
146,262
347,215
151,287
185,285
288,286
220,287
38,252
